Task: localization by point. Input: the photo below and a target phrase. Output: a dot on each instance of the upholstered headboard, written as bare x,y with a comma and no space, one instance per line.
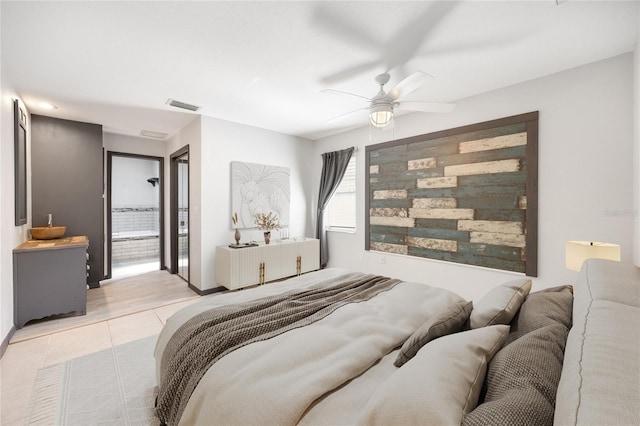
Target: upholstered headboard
600,382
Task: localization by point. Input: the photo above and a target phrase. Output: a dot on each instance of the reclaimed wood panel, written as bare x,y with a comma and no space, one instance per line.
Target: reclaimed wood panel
392,221
518,152
389,248
436,224
438,182
403,202
386,194
437,203
494,143
442,234
389,238
498,166
389,230
465,195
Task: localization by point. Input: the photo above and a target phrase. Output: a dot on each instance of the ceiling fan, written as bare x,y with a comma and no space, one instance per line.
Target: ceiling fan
391,53
381,107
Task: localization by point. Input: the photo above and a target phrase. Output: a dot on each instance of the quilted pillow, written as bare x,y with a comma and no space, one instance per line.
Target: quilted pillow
445,321
522,380
439,384
501,304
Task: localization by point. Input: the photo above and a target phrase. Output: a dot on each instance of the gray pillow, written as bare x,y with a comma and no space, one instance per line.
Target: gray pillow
542,308
501,304
445,321
522,380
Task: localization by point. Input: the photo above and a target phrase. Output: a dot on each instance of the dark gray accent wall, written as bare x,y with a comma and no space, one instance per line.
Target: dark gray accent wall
66,181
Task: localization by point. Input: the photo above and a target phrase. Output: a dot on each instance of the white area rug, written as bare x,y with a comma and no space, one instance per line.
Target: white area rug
115,386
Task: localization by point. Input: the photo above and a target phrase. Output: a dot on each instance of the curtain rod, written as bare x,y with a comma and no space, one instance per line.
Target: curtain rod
355,149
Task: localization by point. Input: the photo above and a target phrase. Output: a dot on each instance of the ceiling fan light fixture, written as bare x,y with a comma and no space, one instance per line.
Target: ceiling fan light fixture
380,115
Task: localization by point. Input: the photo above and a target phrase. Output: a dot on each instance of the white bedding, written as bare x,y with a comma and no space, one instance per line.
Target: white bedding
323,373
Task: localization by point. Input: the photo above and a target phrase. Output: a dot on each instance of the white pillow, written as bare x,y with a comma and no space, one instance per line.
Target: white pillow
440,384
501,304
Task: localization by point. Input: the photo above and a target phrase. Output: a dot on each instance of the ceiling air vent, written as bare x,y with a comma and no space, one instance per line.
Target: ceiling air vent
182,105
152,134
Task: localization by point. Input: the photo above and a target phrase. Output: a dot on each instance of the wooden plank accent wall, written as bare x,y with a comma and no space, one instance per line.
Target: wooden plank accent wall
467,195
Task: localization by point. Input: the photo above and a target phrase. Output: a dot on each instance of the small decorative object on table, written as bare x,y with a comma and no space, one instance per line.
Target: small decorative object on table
234,219
266,222
243,245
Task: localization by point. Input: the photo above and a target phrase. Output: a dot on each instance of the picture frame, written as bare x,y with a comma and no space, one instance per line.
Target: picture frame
466,195
20,163
259,188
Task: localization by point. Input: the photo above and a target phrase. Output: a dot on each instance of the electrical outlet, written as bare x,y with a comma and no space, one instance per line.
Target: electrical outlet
383,260
361,257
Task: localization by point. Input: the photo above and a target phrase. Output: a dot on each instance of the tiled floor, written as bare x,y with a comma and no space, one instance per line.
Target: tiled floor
22,359
128,269
116,297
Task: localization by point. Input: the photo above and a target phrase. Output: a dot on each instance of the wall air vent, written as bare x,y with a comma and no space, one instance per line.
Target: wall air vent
182,105
152,134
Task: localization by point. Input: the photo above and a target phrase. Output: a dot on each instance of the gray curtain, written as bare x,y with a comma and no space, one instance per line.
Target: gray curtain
334,164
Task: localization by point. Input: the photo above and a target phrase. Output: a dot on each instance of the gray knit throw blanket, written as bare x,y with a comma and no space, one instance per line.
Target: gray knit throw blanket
210,335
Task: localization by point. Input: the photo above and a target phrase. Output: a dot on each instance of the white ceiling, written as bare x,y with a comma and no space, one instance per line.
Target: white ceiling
264,63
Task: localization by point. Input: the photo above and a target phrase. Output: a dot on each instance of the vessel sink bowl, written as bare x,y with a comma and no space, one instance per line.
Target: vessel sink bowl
48,232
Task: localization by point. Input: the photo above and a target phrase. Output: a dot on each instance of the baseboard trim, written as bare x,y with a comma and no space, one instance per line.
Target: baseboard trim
5,343
207,291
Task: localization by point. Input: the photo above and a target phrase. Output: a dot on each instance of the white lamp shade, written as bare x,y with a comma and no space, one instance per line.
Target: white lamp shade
579,251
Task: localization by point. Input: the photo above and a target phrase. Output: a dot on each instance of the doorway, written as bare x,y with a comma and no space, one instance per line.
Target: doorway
135,212
180,213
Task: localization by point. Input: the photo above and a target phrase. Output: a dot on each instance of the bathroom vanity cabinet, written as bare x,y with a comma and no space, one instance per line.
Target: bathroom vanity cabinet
49,278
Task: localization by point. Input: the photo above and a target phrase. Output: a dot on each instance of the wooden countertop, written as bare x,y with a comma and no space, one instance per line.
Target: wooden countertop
60,243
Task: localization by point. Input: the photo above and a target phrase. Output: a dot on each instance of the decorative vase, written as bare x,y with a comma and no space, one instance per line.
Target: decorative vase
267,237
237,236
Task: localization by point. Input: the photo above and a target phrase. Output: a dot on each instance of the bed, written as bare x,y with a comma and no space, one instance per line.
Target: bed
335,347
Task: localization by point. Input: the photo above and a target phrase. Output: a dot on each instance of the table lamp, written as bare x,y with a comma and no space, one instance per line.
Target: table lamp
579,251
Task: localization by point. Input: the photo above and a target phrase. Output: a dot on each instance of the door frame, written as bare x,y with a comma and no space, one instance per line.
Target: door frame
110,155
174,212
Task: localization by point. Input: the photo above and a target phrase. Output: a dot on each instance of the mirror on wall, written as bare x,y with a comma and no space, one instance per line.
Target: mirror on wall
20,163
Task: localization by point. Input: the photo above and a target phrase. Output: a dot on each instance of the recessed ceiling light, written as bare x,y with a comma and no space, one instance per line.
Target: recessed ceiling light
47,105
152,134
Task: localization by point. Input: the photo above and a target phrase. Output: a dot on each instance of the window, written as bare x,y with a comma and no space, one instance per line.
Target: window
341,212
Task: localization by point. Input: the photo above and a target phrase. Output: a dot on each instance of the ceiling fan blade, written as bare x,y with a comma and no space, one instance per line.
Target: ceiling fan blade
349,72
340,92
391,53
403,46
337,24
408,85
340,117
425,106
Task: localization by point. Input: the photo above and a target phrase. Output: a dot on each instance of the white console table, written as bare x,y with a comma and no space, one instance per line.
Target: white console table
242,267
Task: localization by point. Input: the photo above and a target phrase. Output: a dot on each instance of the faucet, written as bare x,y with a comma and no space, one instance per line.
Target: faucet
50,222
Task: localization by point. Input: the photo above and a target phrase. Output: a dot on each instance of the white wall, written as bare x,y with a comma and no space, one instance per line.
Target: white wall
585,173
223,142
129,186
133,145
10,235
